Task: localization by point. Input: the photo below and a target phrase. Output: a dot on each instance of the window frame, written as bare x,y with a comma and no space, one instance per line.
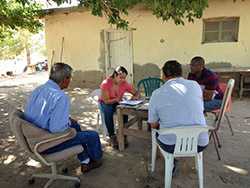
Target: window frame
220,20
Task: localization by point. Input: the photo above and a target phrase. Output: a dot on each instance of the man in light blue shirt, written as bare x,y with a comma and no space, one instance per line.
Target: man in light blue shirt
48,108
177,102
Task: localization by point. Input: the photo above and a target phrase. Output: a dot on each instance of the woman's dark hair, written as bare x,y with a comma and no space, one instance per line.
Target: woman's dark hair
172,68
114,74
117,70
59,72
121,69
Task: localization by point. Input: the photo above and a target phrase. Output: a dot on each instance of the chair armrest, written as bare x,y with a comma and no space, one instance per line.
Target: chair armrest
54,139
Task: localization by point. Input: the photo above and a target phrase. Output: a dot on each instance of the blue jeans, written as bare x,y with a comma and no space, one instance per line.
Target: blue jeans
212,105
108,111
88,139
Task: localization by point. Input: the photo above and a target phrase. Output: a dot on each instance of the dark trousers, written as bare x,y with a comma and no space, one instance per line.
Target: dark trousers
212,105
88,139
170,148
109,111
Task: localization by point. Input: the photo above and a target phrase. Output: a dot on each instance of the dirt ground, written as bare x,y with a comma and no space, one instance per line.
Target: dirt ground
129,168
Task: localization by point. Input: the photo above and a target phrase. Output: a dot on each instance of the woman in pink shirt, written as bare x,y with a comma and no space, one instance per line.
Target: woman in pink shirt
112,91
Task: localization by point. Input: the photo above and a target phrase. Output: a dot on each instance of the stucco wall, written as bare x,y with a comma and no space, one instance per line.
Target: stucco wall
81,45
184,42
154,42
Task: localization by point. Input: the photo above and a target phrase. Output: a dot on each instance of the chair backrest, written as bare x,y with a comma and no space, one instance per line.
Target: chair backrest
95,95
29,135
16,121
225,101
223,87
186,138
149,85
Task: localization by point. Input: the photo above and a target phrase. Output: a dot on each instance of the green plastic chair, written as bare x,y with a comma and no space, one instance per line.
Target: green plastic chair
149,85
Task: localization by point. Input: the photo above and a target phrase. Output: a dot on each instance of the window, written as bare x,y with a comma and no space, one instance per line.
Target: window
220,30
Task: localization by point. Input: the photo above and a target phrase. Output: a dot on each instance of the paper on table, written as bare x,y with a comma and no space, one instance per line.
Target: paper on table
131,102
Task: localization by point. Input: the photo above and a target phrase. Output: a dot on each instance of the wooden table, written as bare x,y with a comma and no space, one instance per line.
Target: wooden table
138,114
243,83
242,74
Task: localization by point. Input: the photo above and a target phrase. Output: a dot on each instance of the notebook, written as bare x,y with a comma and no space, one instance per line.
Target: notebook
131,102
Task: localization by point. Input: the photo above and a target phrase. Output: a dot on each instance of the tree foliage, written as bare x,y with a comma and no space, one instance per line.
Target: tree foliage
15,43
177,10
16,14
19,14
24,14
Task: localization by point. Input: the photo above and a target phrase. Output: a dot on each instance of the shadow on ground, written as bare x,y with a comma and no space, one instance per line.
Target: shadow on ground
129,168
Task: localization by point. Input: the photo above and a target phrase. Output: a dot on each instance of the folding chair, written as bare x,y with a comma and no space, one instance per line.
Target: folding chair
223,87
218,119
186,146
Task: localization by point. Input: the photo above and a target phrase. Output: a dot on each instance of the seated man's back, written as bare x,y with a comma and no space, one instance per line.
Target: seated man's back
178,102
48,108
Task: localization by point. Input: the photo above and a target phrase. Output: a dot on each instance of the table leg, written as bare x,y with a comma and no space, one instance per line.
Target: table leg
139,123
120,130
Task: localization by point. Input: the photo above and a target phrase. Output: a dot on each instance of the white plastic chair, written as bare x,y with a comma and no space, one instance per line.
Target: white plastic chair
101,127
186,146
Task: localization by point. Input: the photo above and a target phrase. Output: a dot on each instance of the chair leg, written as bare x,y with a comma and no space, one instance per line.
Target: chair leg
169,164
139,124
103,125
54,176
104,130
217,139
148,128
154,152
49,183
216,136
210,136
71,178
98,128
229,124
199,163
215,145
48,176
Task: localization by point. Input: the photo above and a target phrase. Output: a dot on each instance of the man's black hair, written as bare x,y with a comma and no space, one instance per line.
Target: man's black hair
172,68
198,60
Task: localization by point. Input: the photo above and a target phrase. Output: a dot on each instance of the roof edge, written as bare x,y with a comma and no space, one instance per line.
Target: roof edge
64,10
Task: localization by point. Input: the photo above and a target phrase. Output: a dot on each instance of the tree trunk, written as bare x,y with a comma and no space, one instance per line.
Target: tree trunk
28,55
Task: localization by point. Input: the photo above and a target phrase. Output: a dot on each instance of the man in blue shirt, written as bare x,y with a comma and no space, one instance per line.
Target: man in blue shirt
48,107
178,102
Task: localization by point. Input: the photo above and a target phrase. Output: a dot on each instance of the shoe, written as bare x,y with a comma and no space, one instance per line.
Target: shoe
91,165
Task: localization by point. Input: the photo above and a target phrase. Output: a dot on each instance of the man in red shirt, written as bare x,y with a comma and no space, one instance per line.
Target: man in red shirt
209,83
